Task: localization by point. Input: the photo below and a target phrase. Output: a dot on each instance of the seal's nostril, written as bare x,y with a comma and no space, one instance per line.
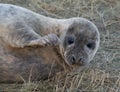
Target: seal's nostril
73,60
81,61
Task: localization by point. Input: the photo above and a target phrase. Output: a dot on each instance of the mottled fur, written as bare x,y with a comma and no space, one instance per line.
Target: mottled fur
32,45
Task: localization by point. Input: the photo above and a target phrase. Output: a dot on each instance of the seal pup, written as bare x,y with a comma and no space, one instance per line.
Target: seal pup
35,46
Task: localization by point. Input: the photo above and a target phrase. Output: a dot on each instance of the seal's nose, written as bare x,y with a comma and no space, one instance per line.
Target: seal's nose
73,60
82,61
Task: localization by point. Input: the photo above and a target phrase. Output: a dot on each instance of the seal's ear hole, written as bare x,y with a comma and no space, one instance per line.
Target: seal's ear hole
91,45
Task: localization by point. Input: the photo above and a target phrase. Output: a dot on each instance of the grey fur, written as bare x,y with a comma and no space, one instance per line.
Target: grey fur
21,29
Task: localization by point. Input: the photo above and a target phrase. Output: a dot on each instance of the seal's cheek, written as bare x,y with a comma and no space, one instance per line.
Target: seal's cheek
90,50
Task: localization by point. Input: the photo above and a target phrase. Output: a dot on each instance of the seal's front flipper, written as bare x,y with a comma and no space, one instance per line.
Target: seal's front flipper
47,40
32,39
23,35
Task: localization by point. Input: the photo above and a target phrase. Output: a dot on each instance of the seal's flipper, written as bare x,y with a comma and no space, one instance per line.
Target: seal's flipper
47,40
26,36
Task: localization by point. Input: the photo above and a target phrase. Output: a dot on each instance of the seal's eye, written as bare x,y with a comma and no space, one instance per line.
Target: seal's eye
70,40
91,45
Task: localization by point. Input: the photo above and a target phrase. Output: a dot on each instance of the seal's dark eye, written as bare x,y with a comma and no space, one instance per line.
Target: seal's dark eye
70,40
91,45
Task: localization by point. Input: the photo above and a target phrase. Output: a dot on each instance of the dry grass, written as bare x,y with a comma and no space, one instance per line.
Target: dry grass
103,73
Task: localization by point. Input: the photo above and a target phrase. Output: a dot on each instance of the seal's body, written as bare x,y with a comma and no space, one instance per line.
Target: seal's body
35,46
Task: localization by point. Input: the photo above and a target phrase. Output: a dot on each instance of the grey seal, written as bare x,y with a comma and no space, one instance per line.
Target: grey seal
36,46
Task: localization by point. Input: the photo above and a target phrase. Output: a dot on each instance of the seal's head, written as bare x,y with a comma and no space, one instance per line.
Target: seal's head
80,42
